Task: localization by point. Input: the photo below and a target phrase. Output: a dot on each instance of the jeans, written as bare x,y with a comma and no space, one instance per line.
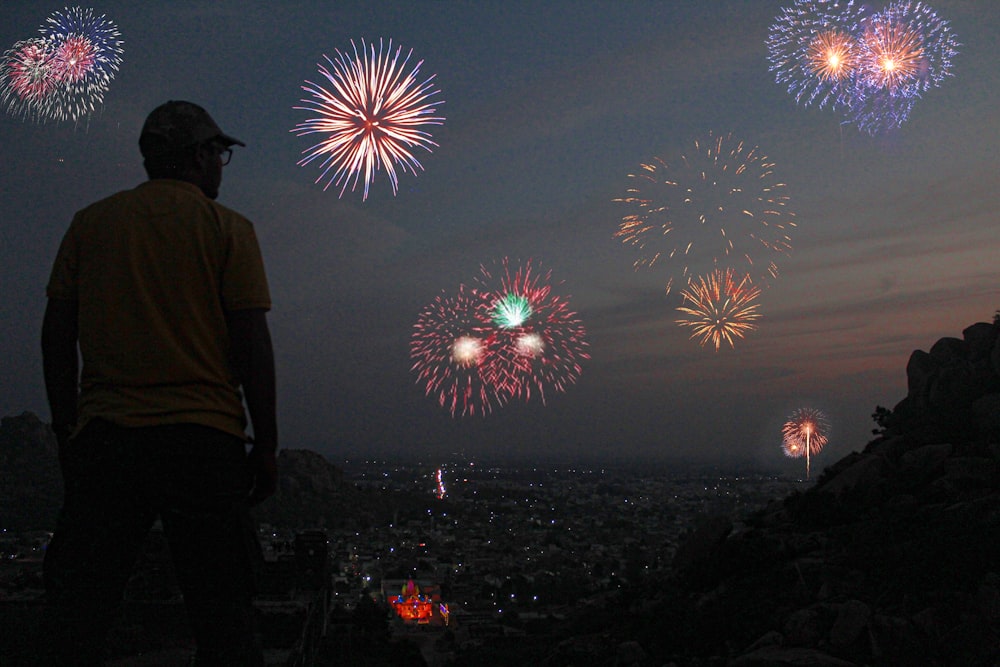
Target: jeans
118,481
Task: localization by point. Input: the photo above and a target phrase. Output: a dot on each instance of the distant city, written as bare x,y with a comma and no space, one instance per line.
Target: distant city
490,550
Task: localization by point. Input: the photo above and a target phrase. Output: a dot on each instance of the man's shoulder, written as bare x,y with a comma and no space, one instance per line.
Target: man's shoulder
159,193
229,214
110,200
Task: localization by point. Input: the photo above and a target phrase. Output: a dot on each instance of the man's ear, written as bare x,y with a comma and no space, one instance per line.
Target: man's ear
203,155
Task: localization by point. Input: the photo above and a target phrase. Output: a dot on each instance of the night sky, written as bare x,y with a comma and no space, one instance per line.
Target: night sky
548,106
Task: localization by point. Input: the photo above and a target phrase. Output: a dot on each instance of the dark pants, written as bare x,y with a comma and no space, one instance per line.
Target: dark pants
118,481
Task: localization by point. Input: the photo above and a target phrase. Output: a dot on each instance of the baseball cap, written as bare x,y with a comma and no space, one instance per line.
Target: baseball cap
179,124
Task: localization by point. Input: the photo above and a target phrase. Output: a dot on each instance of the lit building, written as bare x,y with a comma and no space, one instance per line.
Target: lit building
416,605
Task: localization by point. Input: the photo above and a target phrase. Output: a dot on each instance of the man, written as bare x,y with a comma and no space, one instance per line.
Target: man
164,291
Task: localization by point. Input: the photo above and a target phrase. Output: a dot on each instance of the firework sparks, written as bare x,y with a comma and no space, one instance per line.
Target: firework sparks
544,342
372,116
893,54
812,50
876,111
439,488
511,310
719,308
831,56
718,204
27,77
873,67
87,55
805,434
452,348
906,49
63,74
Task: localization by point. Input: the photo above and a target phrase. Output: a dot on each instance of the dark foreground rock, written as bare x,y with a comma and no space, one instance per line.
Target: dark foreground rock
892,558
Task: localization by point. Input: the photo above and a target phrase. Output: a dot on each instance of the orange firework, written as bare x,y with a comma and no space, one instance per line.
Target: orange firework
717,202
805,434
718,308
831,55
894,54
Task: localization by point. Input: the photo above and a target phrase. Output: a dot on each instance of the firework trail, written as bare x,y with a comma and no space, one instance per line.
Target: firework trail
716,205
813,51
453,347
719,308
27,77
372,115
544,341
805,434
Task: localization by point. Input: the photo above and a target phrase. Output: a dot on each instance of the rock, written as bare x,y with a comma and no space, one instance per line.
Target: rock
860,477
852,619
969,470
803,628
629,654
918,372
708,534
948,351
979,339
788,657
771,639
986,413
919,465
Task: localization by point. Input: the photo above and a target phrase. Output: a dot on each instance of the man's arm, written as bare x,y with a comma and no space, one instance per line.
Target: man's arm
60,364
252,357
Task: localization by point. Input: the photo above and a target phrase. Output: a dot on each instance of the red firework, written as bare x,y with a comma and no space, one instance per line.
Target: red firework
75,58
454,348
805,434
545,341
28,74
372,115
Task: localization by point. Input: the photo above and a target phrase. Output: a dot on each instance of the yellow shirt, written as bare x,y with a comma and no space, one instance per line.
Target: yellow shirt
153,271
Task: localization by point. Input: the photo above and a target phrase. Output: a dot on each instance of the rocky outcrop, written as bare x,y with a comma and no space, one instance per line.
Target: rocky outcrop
891,558
312,493
953,390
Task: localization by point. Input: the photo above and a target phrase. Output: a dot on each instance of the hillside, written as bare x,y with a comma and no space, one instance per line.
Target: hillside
892,558
312,491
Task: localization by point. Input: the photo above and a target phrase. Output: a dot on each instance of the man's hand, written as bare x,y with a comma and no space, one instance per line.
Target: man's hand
264,468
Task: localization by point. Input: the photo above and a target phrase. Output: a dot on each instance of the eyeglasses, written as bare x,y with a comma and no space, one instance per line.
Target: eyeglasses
225,155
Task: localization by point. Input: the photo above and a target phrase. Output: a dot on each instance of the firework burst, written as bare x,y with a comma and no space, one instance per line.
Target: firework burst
905,49
88,52
716,205
831,56
453,347
64,74
544,342
813,52
719,308
872,66
805,434
372,116
27,77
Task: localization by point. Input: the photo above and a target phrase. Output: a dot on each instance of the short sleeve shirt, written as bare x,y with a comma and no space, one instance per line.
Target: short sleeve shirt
154,271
